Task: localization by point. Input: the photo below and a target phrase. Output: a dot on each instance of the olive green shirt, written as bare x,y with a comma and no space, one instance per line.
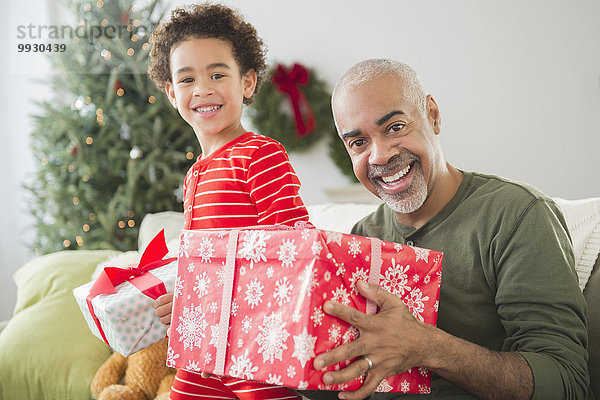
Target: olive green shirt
508,281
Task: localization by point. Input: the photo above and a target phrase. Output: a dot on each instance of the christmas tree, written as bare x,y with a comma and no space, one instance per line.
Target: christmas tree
110,146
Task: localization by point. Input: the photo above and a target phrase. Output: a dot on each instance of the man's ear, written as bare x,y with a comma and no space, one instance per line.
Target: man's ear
249,83
433,114
170,91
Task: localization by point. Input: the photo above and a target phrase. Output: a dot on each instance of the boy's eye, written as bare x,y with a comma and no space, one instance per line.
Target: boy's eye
186,80
216,76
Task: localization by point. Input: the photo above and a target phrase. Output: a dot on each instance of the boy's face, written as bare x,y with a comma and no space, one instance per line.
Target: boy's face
208,90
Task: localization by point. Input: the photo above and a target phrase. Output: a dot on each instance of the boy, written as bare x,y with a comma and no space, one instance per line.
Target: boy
210,62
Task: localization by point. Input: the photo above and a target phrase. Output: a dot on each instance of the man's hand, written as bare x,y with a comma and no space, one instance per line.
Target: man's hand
392,339
164,306
395,341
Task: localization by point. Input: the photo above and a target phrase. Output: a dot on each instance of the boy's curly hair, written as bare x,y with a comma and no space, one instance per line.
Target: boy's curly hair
207,21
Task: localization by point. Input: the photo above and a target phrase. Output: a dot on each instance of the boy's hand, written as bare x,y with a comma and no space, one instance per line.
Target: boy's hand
164,306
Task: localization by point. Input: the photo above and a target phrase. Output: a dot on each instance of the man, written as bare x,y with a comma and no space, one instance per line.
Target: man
511,322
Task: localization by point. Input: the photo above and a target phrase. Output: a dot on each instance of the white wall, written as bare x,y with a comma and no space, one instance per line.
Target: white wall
517,81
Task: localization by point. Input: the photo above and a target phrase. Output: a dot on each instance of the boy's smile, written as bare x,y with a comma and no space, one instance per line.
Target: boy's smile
208,90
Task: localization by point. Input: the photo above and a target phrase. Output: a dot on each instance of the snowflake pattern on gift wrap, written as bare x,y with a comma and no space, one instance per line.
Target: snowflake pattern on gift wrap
270,272
193,365
427,279
309,278
424,389
272,337
317,316
416,278
304,347
240,343
201,285
416,303
395,279
254,293
422,254
171,357
191,267
350,334
274,379
246,324
214,307
234,307
185,244
397,247
404,386
242,270
287,253
283,289
242,367
327,276
214,336
359,275
291,372
316,247
340,295
206,250
354,247
335,333
254,246
423,371
384,386
305,234
178,287
221,275
191,327
221,234
207,358
296,316
303,385
333,237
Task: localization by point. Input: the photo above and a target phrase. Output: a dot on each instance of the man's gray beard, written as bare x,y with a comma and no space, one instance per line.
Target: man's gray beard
409,200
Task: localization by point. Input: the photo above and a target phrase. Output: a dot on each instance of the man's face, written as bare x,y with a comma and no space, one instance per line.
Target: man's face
392,143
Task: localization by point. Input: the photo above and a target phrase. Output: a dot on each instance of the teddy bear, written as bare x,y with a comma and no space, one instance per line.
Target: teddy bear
144,374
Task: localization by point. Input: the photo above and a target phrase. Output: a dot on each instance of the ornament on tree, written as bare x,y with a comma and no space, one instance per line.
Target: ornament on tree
293,107
73,148
124,18
136,153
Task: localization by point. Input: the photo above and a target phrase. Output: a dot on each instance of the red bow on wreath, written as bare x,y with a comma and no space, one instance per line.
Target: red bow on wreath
288,83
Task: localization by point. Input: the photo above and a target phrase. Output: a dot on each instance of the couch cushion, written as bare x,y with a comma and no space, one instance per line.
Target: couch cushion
47,350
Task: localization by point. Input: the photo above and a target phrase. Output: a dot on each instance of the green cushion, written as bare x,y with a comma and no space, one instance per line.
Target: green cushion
47,350
592,296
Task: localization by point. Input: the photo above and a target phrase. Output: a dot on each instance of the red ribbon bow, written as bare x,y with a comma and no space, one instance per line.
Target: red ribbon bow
288,83
137,275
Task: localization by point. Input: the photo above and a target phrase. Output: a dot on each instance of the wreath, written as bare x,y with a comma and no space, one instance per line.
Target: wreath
293,107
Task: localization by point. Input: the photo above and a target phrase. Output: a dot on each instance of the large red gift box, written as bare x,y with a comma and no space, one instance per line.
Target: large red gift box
248,303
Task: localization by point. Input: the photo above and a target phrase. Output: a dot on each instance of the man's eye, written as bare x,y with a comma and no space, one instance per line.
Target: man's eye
397,127
217,76
355,144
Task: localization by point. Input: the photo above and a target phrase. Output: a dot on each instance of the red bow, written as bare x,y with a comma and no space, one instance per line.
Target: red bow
288,83
137,275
